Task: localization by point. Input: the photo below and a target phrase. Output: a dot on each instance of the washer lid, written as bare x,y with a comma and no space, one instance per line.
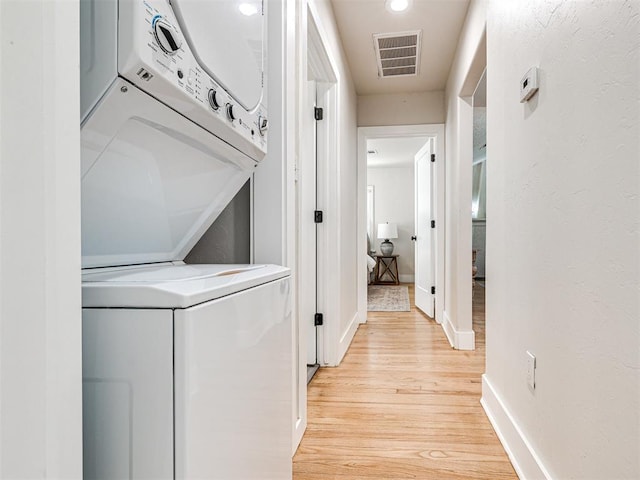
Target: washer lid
152,181
227,39
172,286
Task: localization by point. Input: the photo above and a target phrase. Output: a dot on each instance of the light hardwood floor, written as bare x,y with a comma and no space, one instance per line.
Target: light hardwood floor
402,405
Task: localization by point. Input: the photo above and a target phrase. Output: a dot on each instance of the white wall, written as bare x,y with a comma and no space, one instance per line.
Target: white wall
395,203
40,305
401,109
563,242
465,73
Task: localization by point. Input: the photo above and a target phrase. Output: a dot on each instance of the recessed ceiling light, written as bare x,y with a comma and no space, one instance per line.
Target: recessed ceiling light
397,5
248,9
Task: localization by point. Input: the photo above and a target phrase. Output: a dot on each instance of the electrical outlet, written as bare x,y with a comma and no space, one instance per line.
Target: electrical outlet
531,370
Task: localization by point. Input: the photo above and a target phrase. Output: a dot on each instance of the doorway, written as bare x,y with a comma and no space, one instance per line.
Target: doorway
314,199
479,206
390,197
368,138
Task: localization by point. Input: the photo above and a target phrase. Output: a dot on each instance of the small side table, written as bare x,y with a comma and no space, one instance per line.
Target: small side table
386,265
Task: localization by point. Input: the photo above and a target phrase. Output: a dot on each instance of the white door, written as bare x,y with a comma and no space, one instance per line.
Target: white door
425,230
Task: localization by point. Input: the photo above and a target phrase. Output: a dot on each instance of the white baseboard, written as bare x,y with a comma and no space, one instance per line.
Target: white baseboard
407,278
449,331
524,459
347,338
466,340
460,340
299,427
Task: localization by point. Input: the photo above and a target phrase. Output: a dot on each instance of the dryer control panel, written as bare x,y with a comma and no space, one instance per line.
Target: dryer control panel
154,55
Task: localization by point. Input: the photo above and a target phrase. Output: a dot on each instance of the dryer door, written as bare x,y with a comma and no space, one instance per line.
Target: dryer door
227,39
152,181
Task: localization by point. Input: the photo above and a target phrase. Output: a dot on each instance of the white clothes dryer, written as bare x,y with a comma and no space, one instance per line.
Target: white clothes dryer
204,59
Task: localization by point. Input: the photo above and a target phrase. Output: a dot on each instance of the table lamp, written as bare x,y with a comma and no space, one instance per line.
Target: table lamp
387,231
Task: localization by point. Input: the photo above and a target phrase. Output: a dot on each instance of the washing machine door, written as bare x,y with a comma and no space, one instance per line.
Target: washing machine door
227,39
152,181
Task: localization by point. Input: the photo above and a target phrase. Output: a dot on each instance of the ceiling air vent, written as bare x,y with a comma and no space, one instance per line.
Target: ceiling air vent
397,54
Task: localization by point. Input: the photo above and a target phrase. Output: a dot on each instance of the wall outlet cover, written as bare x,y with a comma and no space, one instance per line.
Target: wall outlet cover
531,370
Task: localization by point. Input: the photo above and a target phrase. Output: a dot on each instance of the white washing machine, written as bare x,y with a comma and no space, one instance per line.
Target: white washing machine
187,373
186,368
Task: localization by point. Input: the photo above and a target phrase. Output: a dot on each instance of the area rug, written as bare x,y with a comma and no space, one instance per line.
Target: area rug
388,298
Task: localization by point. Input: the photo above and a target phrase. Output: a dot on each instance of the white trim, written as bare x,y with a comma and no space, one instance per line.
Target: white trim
345,340
371,202
524,459
466,340
461,216
407,278
460,340
436,131
449,331
319,62
330,338
295,54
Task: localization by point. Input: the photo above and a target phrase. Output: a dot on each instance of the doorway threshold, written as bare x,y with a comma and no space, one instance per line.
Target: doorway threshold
311,371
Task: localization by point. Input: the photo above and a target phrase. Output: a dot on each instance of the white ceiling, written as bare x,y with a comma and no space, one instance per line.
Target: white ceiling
394,152
440,21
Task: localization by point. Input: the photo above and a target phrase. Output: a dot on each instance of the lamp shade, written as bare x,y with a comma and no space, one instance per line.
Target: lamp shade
387,230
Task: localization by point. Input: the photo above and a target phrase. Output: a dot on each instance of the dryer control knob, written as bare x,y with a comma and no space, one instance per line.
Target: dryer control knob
166,37
213,101
230,114
263,125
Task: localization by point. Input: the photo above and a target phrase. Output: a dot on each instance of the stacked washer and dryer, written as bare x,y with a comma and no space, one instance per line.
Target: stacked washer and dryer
186,368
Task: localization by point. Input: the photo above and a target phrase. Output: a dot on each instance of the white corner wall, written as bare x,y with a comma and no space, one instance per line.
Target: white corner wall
401,109
563,242
465,72
394,202
40,304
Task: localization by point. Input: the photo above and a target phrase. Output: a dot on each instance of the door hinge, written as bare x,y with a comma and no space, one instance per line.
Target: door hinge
318,320
433,157
433,290
317,216
317,113
433,224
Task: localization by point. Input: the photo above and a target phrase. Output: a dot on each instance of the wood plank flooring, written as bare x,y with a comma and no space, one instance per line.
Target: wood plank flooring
402,405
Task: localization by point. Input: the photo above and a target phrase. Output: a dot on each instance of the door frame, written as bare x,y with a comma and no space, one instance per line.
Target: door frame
313,57
436,132
321,68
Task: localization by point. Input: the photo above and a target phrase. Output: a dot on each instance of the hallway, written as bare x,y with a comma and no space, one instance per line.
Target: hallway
402,405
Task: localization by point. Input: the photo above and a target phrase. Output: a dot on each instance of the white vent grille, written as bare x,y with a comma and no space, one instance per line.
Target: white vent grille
397,54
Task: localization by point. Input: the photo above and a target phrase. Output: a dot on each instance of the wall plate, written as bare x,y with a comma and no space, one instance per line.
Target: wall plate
531,370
